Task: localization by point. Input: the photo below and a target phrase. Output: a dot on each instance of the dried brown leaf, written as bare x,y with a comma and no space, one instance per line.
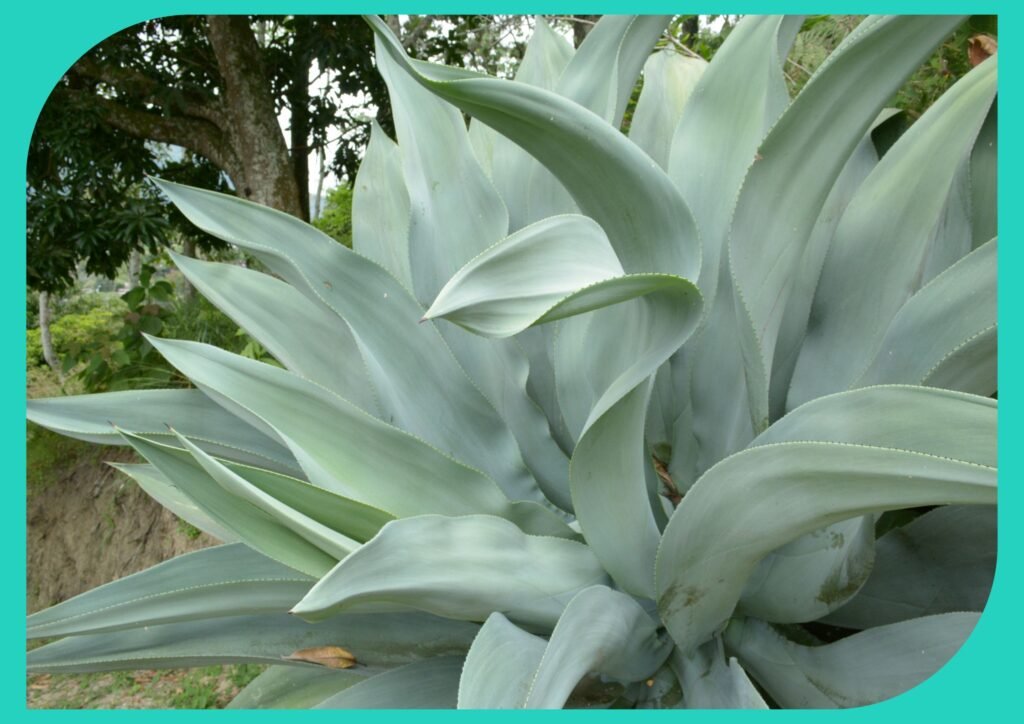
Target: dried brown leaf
333,657
981,47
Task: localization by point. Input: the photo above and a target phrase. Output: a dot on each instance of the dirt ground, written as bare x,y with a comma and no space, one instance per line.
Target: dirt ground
89,524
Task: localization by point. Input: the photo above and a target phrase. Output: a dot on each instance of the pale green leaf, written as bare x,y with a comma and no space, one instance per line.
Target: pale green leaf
773,220
377,641
162,490
880,246
330,541
251,525
463,568
798,306
710,680
420,386
941,562
601,631
230,580
357,456
431,684
601,75
149,413
380,207
303,335
811,576
983,181
760,499
861,669
736,101
291,687
636,204
500,666
455,211
529,190
669,79
945,335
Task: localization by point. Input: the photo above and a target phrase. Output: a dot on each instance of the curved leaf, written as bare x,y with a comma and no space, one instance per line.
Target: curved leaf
357,456
254,527
421,387
773,220
636,204
377,641
291,687
463,568
500,666
380,207
431,684
228,580
601,75
669,80
861,669
867,277
150,412
811,576
762,498
560,267
945,335
711,681
284,321
941,562
159,487
514,283
603,632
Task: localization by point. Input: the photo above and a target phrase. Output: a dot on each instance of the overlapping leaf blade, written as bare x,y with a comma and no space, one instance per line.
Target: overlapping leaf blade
227,580
377,641
773,221
358,456
150,412
461,568
283,321
420,386
862,669
942,562
722,528
432,684
291,687
881,244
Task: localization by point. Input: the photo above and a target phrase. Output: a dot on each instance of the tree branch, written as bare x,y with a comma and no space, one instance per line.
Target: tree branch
196,134
133,82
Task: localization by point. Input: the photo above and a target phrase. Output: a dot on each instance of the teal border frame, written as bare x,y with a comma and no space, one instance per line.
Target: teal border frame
44,39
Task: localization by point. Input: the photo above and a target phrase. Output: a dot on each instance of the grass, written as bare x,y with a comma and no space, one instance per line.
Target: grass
209,687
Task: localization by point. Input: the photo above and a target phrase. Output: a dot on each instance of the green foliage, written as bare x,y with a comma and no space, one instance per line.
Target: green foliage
634,451
336,218
77,331
948,63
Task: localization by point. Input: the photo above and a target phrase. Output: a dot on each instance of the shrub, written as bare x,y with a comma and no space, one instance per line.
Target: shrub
642,448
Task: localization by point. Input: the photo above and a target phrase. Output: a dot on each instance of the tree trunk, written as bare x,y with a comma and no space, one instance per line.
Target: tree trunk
691,28
45,336
134,268
582,26
265,173
188,248
321,174
298,103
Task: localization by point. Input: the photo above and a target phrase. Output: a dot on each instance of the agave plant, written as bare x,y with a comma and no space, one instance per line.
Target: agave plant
697,416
